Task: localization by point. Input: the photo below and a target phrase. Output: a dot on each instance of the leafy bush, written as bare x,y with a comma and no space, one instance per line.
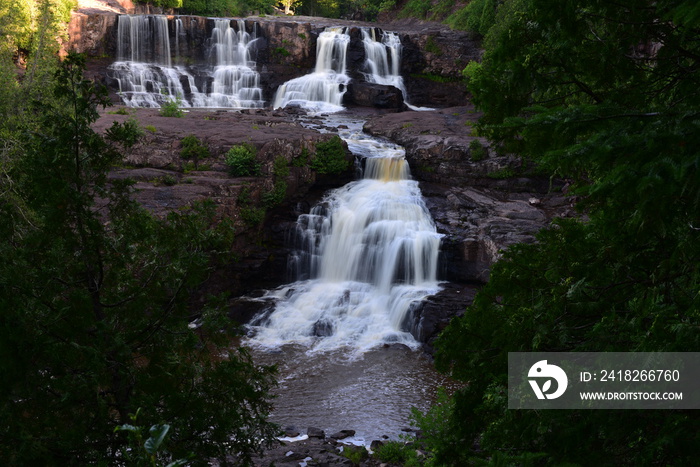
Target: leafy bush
171,108
116,282
399,453
241,162
478,16
477,151
330,157
416,8
192,148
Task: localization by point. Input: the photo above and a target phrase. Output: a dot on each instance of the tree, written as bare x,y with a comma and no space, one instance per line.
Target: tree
96,318
604,94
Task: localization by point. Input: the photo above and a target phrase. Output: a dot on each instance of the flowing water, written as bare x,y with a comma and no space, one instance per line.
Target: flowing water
147,77
364,256
322,90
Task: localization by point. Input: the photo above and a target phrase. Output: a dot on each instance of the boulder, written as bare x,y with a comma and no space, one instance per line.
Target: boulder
313,432
367,94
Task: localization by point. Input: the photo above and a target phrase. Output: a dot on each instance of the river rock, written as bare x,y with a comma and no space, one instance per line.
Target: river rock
313,432
342,434
374,95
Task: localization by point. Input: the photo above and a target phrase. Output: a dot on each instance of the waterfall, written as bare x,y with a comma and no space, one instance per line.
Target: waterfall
384,61
322,90
146,77
365,255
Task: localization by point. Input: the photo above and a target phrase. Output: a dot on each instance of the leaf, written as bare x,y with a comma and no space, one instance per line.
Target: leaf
158,434
127,427
546,386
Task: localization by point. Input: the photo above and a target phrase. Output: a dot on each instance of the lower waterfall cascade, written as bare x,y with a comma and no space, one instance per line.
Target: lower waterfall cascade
365,256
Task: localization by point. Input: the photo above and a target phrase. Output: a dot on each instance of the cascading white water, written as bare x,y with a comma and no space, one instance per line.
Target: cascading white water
322,90
384,61
367,254
146,77
236,82
143,67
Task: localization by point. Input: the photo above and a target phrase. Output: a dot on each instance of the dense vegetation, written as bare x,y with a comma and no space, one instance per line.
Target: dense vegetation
105,356
605,94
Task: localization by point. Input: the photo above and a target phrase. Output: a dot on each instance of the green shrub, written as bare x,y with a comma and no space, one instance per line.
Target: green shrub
192,148
477,152
252,216
356,454
433,47
241,162
397,452
151,128
128,133
330,157
172,108
275,196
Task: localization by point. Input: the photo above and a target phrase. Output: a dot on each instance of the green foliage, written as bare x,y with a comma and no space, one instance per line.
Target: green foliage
279,190
281,51
192,148
171,108
95,298
583,89
355,454
432,46
127,134
241,162
225,8
398,453
477,151
478,16
139,452
120,111
330,157
416,8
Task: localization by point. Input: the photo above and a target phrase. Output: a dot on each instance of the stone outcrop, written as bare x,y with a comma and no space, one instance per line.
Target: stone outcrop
482,201
166,182
380,96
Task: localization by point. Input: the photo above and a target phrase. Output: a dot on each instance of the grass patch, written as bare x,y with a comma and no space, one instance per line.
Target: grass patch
433,47
122,111
503,173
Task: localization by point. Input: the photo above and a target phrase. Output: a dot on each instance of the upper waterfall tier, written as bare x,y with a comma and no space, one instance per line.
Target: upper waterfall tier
146,77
